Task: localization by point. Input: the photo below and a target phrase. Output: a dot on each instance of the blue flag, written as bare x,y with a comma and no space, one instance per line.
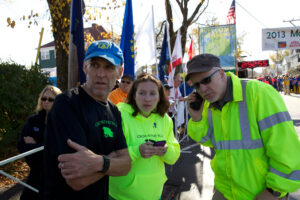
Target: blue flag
127,40
164,57
76,47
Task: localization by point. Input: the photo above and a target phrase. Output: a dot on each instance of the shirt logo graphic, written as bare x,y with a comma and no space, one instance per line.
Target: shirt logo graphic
36,129
154,125
107,132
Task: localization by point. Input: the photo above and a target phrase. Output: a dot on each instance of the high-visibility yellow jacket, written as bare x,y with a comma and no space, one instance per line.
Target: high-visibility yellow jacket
255,141
146,178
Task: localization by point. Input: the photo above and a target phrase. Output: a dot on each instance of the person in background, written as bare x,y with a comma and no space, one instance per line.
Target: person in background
84,140
175,92
286,84
275,83
167,90
119,94
32,137
280,86
150,140
186,88
171,109
172,102
248,125
298,84
116,85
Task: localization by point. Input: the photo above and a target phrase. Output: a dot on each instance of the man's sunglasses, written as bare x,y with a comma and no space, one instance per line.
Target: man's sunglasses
49,99
128,82
204,81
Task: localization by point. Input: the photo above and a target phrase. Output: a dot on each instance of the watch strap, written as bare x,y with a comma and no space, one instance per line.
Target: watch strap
106,164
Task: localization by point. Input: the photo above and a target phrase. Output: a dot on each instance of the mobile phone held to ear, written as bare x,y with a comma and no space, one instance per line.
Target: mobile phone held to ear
159,143
196,105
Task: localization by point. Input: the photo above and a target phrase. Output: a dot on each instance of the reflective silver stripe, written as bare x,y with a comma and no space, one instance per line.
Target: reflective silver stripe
294,175
274,119
243,115
210,130
239,144
246,142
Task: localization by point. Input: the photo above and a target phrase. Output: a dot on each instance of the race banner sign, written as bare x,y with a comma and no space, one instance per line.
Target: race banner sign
220,41
280,38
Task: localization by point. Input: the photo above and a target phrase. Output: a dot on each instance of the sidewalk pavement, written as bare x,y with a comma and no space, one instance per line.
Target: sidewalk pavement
191,177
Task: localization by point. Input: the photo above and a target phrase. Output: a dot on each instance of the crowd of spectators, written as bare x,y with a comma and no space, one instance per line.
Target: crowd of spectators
285,83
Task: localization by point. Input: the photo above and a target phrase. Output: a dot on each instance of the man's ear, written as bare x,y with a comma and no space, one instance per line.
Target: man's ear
223,75
85,68
120,72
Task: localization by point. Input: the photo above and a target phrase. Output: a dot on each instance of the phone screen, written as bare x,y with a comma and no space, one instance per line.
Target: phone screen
159,143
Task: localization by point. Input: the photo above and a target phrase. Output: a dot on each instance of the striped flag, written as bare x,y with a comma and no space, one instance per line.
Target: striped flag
127,40
191,50
76,46
231,14
176,58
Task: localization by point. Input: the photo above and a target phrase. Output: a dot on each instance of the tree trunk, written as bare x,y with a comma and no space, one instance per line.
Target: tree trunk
60,13
186,20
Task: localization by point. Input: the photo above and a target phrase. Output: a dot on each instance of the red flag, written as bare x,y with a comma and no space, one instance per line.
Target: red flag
191,50
176,58
231,14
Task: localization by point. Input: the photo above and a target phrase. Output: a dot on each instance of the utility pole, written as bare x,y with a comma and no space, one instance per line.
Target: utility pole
39,47
198,36
277,61
291,21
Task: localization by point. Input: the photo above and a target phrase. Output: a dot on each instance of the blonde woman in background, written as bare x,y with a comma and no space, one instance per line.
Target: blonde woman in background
32,137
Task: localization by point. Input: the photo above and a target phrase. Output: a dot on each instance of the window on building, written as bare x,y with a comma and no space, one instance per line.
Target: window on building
45,55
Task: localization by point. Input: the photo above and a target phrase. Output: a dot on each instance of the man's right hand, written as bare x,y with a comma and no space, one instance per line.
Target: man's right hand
195,114
79,164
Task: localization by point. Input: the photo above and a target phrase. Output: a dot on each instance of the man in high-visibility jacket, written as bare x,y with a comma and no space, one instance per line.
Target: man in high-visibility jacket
248,125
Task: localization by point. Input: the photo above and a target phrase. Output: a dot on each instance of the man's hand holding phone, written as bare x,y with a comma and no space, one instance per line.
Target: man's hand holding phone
195,106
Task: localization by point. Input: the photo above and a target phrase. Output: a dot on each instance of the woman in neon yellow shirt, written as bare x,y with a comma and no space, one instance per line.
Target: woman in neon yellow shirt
145,122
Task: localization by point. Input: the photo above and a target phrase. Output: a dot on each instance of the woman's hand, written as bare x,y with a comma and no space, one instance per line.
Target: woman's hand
29,140
147,150
161,151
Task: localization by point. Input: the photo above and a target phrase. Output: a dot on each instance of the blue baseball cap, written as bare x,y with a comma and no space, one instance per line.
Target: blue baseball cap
107,50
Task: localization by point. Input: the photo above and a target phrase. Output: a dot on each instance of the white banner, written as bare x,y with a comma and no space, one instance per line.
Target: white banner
280,38
145,43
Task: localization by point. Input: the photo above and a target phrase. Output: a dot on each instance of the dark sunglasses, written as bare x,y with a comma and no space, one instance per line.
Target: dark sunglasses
128,82
49,99
205,81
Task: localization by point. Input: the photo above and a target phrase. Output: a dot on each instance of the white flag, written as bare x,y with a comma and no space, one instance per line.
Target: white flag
176,58
145,43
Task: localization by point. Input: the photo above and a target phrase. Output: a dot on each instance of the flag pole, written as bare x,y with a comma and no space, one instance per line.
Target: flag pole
155,42
235,58
169,47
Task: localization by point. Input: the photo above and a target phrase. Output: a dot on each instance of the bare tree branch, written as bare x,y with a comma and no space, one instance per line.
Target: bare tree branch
196,18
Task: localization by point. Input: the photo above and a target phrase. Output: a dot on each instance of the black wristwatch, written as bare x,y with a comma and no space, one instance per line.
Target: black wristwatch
106,163
275,193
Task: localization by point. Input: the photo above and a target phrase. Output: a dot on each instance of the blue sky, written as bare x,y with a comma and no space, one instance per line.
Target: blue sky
20,43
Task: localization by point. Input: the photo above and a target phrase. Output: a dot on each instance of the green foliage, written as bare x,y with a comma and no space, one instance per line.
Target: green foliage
19,91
